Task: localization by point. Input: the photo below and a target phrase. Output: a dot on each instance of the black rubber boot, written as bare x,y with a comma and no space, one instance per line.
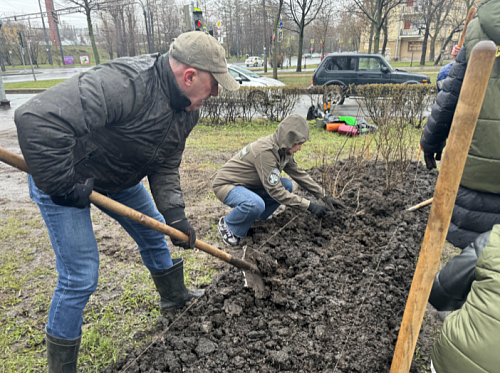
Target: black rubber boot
170,285
62,354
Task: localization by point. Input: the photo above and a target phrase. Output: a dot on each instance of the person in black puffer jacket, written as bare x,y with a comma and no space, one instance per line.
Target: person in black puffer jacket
477,207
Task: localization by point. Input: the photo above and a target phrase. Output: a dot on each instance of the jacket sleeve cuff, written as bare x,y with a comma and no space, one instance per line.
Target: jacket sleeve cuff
305,204
174,215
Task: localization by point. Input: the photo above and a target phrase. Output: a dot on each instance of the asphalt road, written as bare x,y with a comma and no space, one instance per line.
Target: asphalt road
14,76
309,61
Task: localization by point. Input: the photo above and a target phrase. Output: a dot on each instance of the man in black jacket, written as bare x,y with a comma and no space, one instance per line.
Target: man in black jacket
105,130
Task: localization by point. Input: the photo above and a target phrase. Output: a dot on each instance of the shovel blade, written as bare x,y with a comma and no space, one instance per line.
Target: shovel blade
253,280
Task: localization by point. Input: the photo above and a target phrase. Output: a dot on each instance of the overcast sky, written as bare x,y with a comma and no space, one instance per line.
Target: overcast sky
17,7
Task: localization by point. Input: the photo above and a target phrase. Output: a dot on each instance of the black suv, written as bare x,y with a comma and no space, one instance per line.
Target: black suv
344,69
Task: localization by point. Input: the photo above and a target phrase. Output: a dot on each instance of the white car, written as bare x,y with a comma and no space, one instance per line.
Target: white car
248,78
316,55
254,61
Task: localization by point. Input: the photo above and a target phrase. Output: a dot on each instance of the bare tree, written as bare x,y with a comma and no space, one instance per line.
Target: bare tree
303,12
324,23
456,24
88,6
275,44
377,11
430,10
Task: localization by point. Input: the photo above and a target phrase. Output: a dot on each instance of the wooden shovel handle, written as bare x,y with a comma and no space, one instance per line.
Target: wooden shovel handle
462,35
452,166
125,211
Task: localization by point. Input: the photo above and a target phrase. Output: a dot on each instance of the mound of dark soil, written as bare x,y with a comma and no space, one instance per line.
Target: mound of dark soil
336,294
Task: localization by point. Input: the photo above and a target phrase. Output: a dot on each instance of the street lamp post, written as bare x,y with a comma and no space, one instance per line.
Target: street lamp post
3,97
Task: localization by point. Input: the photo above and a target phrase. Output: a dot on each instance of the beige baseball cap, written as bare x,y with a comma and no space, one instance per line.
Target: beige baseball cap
201,51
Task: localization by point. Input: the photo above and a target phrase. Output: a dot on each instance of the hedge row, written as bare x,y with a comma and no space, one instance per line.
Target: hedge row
276,103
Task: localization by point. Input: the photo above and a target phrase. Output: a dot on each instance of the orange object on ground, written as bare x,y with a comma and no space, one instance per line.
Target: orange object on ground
334,127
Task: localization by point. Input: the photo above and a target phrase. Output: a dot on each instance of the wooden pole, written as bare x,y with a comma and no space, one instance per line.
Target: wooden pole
122,210
464,122
462,36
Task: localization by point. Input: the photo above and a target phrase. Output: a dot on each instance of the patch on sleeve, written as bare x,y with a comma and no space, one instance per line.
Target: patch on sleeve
274,177
244,151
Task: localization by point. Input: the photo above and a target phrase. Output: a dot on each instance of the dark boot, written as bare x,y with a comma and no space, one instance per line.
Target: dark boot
170,285
62,354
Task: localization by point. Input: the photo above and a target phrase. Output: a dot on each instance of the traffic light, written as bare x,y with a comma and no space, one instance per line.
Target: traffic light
20,37
54,16
186,19
280,36
198,19
271,39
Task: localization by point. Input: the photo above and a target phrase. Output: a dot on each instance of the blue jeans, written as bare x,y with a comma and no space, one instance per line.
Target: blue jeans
77,257
250,205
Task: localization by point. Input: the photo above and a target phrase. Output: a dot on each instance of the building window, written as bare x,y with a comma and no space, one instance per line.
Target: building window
407,25
409,2
414,46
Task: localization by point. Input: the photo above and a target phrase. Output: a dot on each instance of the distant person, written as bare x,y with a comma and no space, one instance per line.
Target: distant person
445,70
251,181
105,130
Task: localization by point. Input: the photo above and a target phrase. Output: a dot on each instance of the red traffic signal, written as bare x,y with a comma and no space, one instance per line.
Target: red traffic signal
198,23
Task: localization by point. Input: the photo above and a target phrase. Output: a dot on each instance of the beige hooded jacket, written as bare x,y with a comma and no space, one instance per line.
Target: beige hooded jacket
260,164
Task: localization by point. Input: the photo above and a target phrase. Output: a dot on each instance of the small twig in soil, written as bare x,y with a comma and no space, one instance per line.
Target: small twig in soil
362,302
357,206
270,238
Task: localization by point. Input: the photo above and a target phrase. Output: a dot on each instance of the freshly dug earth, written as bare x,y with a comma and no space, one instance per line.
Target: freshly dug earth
336,291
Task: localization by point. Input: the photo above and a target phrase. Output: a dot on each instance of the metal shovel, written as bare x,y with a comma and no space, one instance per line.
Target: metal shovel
251,271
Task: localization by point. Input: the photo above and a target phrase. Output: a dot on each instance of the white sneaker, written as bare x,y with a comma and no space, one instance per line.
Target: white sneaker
227,236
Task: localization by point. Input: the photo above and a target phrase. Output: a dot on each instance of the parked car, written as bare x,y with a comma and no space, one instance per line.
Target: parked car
307,55
254,61
344,69
316,55
248,78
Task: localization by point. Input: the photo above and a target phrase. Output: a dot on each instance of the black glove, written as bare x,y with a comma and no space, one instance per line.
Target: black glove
333,203
317,210
78,197
431,158
177,219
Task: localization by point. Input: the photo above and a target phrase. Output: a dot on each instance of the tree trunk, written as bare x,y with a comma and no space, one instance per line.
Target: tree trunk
147,28
424,45
91,35
301,44
432,52
370,42
377,28
266,51
386,38
275,45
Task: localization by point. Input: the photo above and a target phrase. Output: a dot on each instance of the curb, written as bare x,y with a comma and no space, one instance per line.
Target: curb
24,91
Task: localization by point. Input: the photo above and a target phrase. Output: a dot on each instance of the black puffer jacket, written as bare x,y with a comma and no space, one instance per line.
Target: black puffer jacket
117,123
439,122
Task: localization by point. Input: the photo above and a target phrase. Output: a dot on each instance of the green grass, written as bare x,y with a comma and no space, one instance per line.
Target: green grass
415,64
33,84
75,51
119,315
303,81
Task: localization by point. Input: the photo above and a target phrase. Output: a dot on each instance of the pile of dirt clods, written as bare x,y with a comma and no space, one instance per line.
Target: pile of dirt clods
336,292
